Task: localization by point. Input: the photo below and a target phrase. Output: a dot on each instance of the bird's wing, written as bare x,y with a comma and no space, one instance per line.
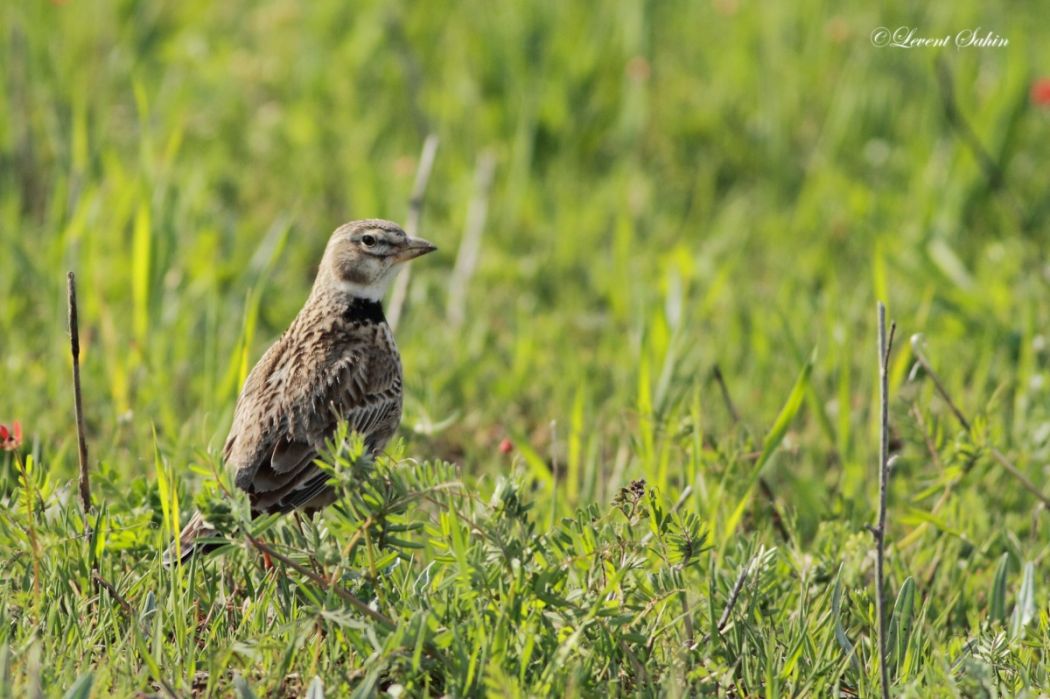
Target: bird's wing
293,406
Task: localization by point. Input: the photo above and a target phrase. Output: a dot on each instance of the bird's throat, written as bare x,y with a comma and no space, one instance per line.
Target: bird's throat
362,310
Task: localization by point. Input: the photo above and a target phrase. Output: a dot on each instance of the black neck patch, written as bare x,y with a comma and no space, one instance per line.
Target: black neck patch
363,310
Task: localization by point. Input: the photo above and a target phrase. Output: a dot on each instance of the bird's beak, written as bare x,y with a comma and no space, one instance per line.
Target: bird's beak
414,247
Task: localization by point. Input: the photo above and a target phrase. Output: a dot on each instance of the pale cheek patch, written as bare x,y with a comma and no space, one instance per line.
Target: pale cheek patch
363,276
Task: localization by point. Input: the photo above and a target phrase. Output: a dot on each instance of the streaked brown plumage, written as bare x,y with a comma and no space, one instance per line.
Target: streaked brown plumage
336,361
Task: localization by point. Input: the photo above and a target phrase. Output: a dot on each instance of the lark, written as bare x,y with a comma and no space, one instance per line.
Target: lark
336,362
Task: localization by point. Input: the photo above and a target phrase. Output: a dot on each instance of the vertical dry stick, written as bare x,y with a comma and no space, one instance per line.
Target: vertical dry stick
74,342
885,345
467,258
415,213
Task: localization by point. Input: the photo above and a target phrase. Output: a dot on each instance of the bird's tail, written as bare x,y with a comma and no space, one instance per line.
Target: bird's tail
196,537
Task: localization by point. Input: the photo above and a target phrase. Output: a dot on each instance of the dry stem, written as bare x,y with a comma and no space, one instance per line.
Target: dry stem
74,341
415,213
885,346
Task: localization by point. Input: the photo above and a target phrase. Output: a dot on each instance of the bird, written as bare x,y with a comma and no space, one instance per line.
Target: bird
336,362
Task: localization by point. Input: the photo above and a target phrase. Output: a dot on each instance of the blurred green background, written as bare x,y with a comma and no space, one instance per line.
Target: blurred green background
677,186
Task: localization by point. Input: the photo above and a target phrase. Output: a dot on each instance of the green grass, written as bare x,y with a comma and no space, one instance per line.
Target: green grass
678,187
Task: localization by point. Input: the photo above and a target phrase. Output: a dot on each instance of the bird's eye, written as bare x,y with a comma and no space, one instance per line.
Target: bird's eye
368,240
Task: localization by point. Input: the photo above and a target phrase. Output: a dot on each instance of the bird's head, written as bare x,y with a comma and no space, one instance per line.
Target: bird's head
363,256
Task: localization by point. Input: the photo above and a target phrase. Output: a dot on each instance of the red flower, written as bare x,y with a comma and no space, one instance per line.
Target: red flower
11,437
1041,92
506,446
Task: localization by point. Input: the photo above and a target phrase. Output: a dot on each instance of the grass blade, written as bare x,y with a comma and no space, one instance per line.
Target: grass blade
840,633
769,445
901,621
1024,609
141,254
316,689
997,607
242,688
81,689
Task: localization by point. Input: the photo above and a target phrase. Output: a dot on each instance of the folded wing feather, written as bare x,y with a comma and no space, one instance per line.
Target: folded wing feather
273,444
